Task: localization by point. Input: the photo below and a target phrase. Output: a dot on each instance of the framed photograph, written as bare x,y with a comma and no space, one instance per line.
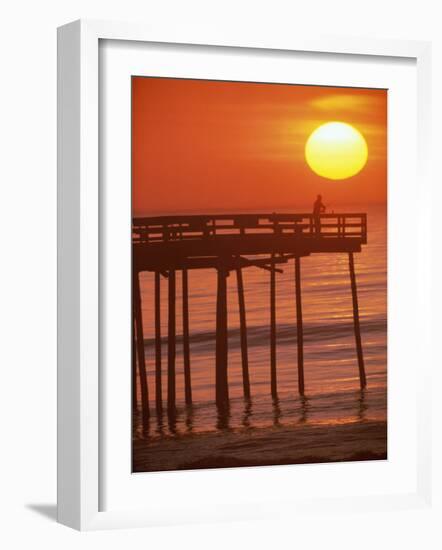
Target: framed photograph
242,296
253,262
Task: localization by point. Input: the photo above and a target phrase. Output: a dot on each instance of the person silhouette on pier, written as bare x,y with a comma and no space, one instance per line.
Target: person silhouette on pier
318,209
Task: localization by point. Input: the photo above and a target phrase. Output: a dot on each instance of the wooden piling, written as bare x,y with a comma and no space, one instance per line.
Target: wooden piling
186,347
273,380
158,358
134,367
171,343
222,388
357,328
299,327
138,318
243,334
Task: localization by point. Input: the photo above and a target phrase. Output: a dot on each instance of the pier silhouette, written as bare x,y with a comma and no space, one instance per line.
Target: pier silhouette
229,243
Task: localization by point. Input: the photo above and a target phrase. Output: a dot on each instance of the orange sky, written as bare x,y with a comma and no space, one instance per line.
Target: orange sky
208,146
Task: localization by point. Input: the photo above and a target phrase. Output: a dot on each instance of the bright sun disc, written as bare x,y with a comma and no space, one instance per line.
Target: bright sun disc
336,151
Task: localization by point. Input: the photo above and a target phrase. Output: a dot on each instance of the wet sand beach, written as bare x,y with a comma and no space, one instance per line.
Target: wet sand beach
276,445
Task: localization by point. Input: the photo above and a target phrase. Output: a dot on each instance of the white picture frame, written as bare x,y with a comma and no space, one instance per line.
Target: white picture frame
79,268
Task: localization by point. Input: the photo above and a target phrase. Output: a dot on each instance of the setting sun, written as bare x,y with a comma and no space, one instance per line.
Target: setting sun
336,151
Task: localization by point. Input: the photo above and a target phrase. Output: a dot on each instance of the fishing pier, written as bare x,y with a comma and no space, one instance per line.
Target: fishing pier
171,246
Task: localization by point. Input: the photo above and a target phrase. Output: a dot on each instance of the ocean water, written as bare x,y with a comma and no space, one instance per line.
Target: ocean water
332,393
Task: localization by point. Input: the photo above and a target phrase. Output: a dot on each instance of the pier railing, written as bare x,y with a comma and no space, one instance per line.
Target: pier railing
173,228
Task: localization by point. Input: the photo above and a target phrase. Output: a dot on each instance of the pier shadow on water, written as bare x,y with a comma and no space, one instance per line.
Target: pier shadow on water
247,414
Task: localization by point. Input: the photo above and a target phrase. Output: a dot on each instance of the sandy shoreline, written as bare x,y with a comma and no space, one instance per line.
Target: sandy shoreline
297,444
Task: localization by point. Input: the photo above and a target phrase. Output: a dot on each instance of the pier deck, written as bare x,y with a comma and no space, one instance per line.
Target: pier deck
191,242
